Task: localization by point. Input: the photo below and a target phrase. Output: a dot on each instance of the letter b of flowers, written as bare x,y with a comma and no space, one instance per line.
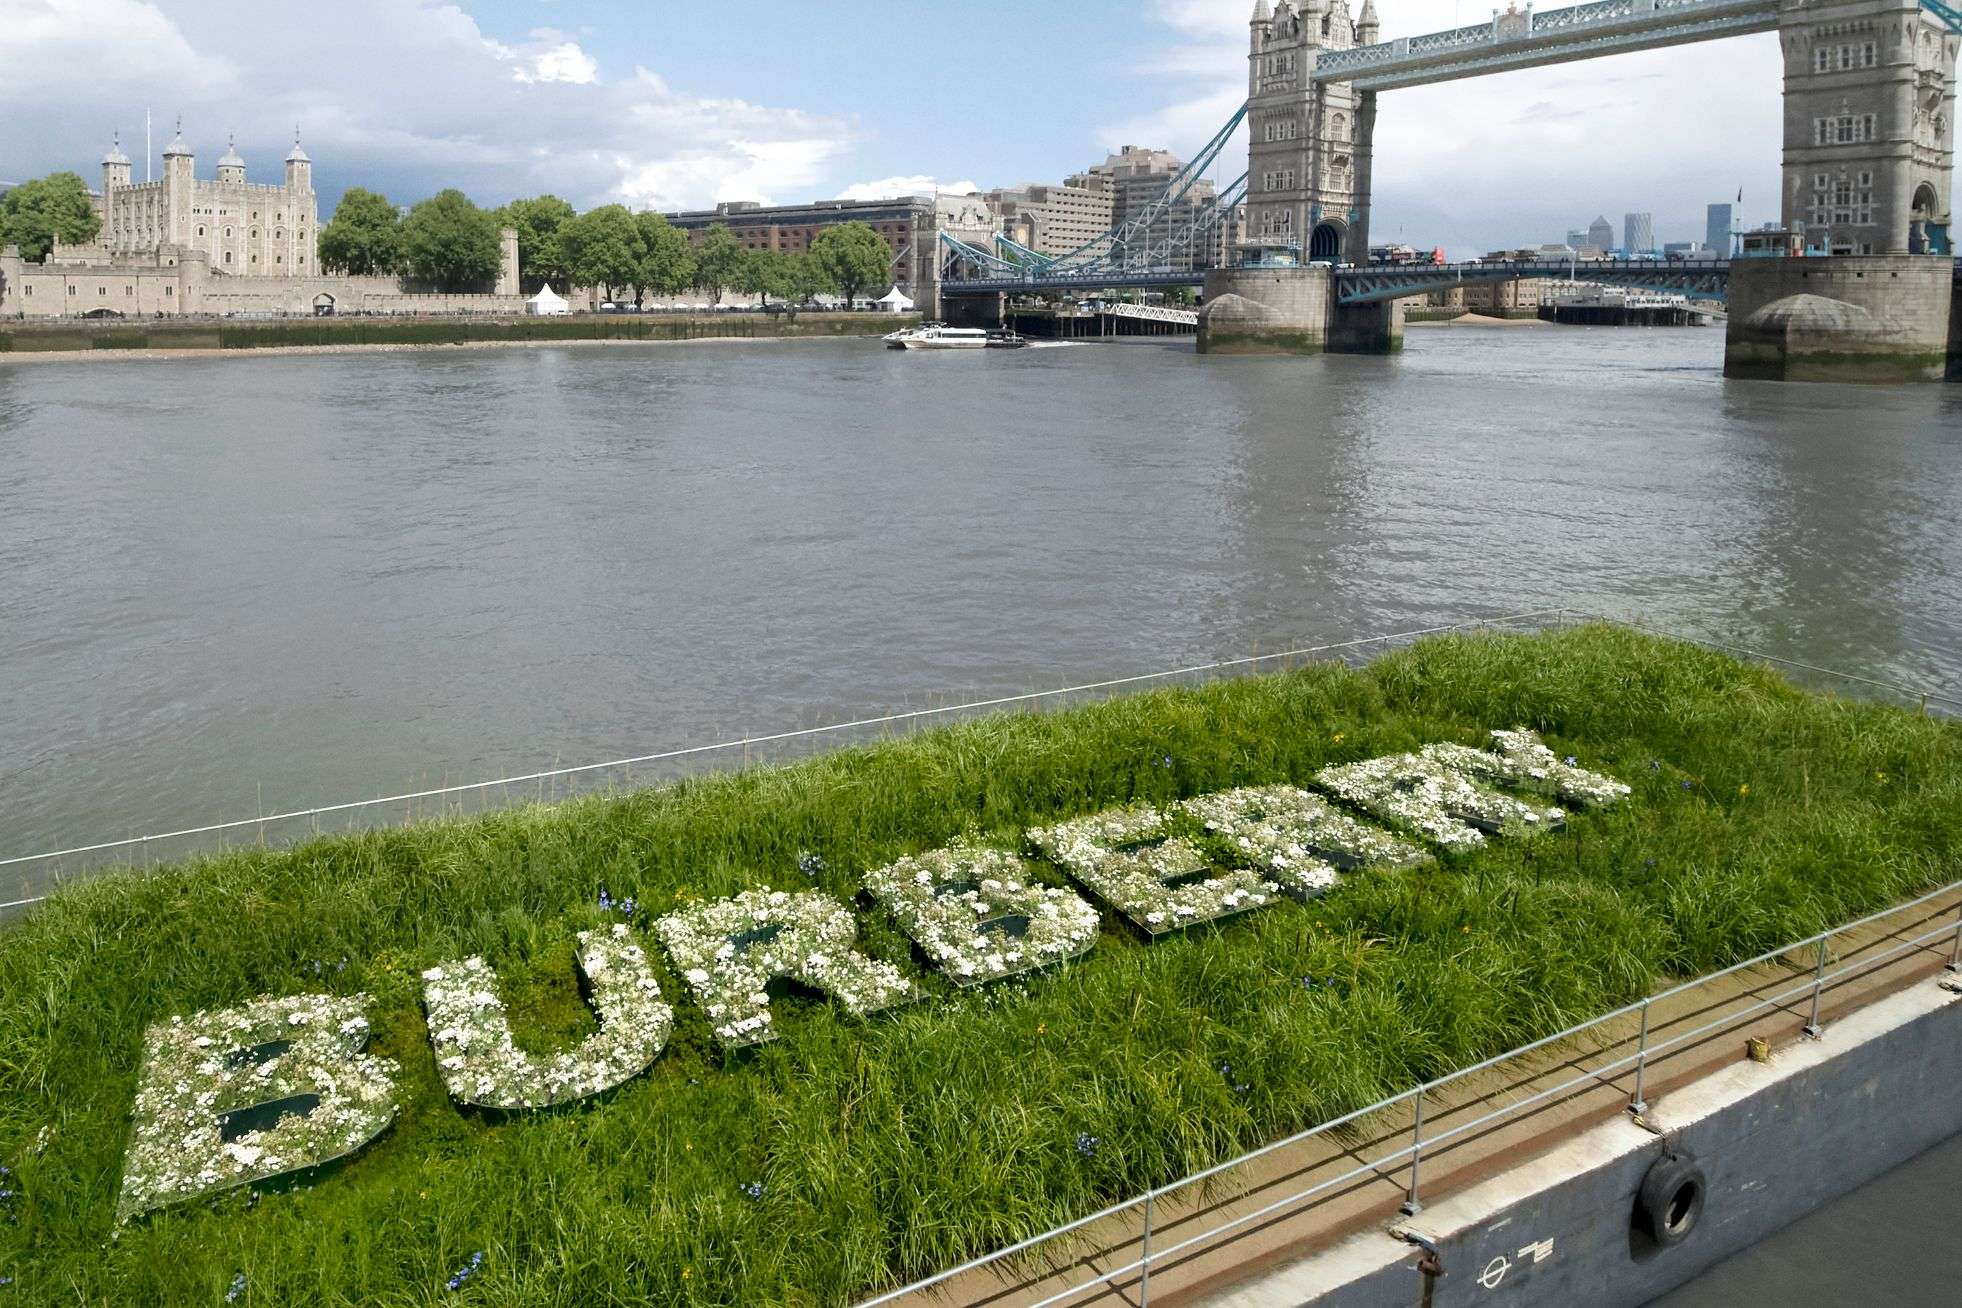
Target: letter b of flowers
472,1034
241,1095
729,950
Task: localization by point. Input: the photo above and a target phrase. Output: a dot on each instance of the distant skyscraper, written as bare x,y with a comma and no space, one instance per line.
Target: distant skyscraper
1637,234
1600,234
1716,230
1576,238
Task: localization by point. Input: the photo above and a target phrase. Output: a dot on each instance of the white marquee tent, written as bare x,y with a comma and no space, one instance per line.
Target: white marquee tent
894,301
548,303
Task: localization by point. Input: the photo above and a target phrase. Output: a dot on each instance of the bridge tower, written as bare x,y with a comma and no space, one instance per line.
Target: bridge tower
1869,126
1308,162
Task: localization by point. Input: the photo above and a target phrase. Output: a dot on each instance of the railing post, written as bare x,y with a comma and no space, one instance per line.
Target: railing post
1818,984
1639,1105
1955,953
1144,1271
1411,1206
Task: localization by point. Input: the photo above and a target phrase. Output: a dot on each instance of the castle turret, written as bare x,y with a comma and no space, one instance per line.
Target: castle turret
115,167
1368,31
299,166
231,168
179,182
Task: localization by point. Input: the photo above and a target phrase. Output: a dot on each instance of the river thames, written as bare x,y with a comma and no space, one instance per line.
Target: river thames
234,586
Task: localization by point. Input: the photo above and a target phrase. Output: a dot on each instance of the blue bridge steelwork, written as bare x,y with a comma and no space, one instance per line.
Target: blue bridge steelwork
1703,280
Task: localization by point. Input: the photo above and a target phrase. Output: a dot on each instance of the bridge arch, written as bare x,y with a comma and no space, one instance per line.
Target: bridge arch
1325,242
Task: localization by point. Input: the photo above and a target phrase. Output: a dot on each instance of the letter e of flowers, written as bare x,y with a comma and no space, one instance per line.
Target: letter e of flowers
1299,839
232,1097
977,914
1418,794
1129,858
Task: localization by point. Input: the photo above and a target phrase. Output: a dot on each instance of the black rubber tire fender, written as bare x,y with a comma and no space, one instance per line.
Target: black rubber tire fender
1670,1202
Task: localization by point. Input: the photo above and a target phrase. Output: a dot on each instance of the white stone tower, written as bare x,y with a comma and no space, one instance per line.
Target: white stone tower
1869,125
1307,170
299,167
180,181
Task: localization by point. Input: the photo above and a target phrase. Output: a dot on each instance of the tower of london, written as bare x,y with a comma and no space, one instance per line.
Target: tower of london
245,229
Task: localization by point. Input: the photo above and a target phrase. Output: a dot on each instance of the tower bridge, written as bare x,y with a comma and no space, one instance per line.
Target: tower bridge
1867,173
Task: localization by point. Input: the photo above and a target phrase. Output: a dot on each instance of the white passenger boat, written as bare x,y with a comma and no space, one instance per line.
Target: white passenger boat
936,336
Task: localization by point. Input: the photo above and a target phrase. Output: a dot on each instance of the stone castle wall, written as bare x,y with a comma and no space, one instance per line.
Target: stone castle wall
1877,318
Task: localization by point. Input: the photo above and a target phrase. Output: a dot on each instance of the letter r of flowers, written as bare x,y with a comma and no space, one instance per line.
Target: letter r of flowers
728,951
240,1095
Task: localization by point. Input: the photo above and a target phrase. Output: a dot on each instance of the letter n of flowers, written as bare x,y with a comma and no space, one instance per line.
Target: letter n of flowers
728,951
978,915
472,1033
240,1095
1130,859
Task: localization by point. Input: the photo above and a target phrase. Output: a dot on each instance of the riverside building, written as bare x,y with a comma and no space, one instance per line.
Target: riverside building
910,224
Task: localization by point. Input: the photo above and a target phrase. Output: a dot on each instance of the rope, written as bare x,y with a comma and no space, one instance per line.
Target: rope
212,828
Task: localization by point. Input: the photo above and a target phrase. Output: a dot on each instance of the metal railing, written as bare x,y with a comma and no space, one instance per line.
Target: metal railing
1650,1046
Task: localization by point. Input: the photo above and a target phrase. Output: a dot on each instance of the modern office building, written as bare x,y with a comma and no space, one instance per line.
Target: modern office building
1637,234
1601,234
1056,219
1716,229
1136,177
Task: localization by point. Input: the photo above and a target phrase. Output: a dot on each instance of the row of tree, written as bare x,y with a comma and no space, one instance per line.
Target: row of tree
450,242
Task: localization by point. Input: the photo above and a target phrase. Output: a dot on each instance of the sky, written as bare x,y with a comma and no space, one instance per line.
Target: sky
682,103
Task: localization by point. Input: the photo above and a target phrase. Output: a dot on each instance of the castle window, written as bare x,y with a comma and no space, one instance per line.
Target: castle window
255,233
1822,60
228,256
200,231
228,233
170,290
1867,55
71,290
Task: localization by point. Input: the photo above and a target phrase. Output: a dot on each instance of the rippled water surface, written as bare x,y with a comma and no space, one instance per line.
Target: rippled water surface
230,586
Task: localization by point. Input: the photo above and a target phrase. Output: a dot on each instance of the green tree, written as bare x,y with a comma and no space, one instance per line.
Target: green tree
541,256
35,214
450,243
765,273
667,265
602,248
804,280
853,257
719,259
365,237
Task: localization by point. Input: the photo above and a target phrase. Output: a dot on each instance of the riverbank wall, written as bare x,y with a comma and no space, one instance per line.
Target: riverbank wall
315,333
1772,1141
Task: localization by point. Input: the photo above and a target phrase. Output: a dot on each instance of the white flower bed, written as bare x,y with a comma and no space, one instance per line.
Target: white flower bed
196,1070
949,899
729,950
1418,794
1299,839
471,1032
1518,759
1161,883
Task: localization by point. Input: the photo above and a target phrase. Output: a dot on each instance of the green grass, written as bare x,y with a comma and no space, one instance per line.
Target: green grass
898,1145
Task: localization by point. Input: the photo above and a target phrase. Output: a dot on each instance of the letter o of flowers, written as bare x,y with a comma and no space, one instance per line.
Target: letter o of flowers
297,1060
729,950
1161,882
1299,839
471,1032
978,916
